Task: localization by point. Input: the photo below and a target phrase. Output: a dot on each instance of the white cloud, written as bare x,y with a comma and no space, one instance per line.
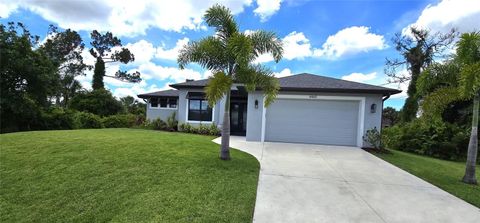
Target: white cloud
142,50
285,72
267,8
379,80
350,41
448,14
156,72
123,18
138,88
295,46
360,77
171,54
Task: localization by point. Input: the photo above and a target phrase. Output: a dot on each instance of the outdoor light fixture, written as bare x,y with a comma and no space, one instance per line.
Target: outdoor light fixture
373,108
256,104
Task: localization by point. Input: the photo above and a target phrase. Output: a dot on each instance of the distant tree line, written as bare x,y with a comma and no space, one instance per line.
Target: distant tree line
38,79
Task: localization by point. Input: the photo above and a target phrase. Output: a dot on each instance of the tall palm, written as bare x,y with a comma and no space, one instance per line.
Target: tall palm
467,60
229,55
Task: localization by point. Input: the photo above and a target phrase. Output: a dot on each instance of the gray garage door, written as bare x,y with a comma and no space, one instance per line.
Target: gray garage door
312,121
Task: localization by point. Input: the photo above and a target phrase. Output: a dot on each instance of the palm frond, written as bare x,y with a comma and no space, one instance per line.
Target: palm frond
436,102
267,42
218,85
258,76
468,48
221,18
240,46
209,52
470,80
438,75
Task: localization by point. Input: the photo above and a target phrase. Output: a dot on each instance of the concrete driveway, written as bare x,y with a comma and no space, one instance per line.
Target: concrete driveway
318,183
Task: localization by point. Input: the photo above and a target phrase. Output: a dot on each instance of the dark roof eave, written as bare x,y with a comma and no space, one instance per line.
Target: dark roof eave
185,86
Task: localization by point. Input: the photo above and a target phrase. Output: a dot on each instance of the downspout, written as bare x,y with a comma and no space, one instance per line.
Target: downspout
381,115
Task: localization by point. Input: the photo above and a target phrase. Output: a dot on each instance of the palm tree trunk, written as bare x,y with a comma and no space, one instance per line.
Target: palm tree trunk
469,177
224,147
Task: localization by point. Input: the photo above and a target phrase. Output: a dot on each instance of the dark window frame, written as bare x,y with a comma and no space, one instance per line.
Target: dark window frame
163,103
203,114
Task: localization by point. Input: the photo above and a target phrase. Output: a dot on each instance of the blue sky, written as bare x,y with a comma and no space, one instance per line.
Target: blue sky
346,39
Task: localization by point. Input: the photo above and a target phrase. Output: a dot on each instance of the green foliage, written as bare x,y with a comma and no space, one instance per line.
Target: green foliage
156,124
390,116
133,106
98,73
28,79
418,51
85,120
373,138
229,55
58,118
432,138
218,84
201,129
108,48
171,122
100,102
120,121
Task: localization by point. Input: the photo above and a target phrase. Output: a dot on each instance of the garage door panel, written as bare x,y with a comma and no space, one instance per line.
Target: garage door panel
312,121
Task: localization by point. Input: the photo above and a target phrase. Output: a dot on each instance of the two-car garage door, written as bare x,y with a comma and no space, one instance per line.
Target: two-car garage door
333,122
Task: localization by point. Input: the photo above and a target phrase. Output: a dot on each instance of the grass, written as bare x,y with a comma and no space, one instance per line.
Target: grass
122,175
441,173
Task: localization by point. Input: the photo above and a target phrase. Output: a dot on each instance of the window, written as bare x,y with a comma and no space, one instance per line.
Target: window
153,102
172,103
163,103
198,110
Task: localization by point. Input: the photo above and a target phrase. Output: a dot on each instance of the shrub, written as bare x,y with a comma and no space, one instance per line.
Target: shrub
58,118
434,138
373,138
200,129
85,120
100,102
172,123
119,121
214,130
157,124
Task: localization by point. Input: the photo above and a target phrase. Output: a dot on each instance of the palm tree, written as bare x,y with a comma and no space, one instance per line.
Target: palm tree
467,61
229,55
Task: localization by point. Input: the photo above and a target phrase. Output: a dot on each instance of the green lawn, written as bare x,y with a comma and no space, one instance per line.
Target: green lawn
122,175
441,173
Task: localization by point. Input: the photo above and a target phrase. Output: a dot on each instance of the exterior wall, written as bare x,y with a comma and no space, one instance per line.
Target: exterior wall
256,116
183,105
162,113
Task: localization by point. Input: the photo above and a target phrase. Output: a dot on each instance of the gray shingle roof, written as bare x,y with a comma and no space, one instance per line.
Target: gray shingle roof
303,82
165,93
197,83
312,82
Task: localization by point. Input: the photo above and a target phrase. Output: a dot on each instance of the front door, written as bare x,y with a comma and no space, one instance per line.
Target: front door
238,118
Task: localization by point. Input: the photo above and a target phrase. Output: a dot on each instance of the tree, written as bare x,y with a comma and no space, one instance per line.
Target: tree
132,105
467,87
418,51
390,116
27,80
64,49
100,102
229,55
105,50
